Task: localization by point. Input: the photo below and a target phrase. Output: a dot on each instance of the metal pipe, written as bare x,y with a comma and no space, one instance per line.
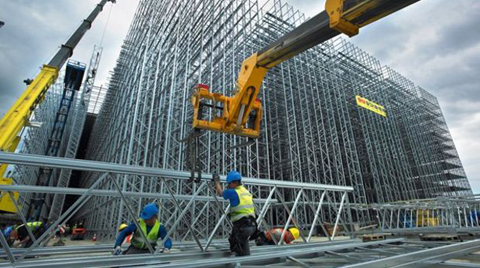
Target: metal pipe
89,165
316,217
290,216
339,213
69,210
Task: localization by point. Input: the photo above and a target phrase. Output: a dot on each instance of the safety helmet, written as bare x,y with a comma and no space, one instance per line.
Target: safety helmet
7,231
295,232
149,211
122,226
233,176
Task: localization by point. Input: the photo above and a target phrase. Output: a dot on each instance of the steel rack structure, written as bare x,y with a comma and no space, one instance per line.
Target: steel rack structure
35,138
313,130
441,214
344,252
179,211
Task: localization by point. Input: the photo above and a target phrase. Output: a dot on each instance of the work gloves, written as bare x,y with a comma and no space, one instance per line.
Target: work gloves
215,178
117,251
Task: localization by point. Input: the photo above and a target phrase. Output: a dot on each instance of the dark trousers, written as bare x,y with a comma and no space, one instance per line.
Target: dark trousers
133,250
37,233
242,230
261,240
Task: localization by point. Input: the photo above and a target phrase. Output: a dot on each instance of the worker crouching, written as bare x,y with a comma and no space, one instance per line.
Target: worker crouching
270,237
151,228
242,212
19,234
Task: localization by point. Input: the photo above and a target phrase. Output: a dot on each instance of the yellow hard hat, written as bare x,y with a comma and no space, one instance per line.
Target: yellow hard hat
122,226
295,232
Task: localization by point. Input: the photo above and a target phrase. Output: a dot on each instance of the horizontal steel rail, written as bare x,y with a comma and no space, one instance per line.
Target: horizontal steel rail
89,165
210,259
81,191
423,258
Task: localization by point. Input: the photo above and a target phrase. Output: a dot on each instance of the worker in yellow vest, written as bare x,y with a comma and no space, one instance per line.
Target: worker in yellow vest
20,234
150,226
242,212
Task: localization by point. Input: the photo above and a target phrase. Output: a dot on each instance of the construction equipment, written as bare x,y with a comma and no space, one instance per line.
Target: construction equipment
426,218
18,116
72,82
78,233
241,114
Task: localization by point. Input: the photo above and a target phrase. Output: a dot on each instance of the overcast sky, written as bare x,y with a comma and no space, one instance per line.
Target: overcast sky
434,43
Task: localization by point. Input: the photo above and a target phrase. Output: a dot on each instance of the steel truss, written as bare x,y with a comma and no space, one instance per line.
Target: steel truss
179,210
445,214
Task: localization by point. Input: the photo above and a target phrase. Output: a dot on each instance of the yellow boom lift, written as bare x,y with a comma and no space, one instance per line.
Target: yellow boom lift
19,114
241,114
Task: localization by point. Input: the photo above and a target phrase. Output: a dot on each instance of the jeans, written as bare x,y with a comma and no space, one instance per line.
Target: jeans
242,230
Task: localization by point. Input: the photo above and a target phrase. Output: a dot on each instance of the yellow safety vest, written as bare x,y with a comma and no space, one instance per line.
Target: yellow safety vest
245,206
137,239
31,225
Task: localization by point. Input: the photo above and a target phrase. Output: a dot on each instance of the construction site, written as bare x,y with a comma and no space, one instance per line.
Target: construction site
330,142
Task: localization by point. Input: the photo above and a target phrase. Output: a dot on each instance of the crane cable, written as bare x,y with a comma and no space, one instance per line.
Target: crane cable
106,25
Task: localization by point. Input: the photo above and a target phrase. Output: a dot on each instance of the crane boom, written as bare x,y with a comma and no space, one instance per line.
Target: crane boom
17,117
241,113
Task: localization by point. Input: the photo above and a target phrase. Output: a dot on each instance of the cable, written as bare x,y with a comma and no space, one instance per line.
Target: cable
106,25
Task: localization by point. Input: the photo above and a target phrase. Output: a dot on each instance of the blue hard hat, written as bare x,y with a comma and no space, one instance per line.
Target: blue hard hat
7,231
233,176
149,211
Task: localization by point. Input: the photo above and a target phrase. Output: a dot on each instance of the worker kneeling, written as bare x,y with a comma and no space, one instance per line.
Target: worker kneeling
270,237
242,212
151,228
19,234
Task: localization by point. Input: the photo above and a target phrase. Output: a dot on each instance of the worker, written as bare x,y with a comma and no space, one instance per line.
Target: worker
6,233
151,228
242,212
129,237
269,237
20,234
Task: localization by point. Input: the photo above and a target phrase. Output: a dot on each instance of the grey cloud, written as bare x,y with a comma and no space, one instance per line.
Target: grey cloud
34,30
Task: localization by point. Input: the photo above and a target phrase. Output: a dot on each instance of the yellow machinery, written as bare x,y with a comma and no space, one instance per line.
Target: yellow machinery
19,114
426,218
241,114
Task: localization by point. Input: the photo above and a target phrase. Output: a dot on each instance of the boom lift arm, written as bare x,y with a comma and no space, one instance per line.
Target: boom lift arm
18,115
241,114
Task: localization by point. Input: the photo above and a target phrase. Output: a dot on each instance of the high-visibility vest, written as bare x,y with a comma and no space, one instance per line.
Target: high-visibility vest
277,234
137,239
245,206
31,225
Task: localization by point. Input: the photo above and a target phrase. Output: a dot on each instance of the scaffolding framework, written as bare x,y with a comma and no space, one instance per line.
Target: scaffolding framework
313,131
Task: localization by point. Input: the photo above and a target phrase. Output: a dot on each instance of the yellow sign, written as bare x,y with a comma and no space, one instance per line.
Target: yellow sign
6,203
370,105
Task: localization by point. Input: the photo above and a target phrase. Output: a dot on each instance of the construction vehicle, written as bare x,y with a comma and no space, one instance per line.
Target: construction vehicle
78,232
17,118
241,114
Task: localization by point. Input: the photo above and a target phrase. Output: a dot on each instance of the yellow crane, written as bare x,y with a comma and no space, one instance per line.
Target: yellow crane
241,114
18,115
